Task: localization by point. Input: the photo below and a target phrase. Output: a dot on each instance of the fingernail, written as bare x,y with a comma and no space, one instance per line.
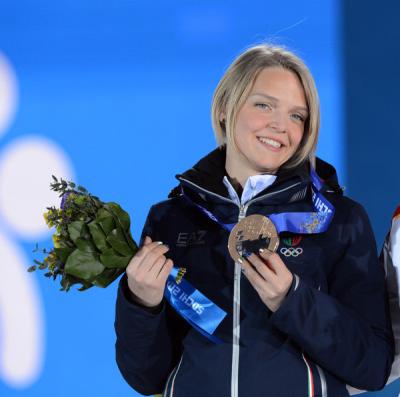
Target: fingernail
159,242
261,250
240,260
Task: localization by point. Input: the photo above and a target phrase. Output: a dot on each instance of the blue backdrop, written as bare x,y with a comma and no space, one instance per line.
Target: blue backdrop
117,94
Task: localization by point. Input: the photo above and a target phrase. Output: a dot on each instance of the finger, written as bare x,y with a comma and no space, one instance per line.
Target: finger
274,261
147,247
261,267
147,240
152,255
165,270
157,265
282,278
140,256
255,279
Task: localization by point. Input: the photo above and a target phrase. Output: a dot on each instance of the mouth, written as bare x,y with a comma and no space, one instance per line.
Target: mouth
270,143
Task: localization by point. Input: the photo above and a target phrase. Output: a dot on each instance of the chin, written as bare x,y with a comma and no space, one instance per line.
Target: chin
269,166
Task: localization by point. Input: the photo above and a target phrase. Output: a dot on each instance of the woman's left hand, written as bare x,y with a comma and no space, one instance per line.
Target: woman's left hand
269,276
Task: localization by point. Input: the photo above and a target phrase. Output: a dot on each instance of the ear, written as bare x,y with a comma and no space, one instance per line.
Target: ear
222,117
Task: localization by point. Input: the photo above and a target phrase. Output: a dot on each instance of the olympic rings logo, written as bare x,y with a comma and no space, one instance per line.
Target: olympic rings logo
291,251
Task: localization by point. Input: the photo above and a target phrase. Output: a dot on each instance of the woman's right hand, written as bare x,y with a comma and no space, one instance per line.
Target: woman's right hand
147,273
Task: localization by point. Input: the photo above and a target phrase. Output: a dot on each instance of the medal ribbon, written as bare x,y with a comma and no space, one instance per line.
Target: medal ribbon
201,313
294,222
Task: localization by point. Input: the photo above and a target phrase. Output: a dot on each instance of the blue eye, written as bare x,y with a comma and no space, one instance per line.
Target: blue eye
298,117
263,105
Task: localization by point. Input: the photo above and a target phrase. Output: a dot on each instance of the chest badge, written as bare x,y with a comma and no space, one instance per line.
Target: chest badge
292,248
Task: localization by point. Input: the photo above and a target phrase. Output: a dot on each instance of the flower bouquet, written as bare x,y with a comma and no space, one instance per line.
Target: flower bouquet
92,240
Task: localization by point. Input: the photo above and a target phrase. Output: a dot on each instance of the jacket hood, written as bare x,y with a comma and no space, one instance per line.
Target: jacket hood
209,172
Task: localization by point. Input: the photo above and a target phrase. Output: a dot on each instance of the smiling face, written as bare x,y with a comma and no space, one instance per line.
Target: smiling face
269,125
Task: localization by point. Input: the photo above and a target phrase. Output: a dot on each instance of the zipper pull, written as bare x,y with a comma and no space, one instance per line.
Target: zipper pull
241,212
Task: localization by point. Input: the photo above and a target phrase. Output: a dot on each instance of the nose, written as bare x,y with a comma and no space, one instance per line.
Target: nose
277,123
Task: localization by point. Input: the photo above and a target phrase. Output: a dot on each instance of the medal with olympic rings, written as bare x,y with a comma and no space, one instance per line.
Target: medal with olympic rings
252,233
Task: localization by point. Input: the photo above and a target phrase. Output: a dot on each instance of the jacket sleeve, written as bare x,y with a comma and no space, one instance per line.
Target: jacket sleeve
148,344
347,331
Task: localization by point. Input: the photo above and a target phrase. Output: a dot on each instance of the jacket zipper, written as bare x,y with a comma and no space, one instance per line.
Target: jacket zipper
324,388
236,301
236,320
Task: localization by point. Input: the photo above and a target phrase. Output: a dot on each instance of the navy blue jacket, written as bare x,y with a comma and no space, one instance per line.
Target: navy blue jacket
332,329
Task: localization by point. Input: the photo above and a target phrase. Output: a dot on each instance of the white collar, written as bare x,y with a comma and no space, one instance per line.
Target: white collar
254,185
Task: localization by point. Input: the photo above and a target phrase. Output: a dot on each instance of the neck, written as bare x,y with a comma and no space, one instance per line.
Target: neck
239,169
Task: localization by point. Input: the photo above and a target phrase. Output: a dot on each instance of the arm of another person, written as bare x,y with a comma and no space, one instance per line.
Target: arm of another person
148,330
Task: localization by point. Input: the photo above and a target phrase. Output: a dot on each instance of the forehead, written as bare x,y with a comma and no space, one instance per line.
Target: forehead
279,82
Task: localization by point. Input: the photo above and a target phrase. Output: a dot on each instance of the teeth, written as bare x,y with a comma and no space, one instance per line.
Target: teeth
270,142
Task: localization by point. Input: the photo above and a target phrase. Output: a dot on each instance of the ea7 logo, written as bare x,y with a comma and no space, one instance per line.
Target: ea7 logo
186,239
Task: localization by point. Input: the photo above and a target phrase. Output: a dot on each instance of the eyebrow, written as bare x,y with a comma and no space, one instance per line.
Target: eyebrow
276,100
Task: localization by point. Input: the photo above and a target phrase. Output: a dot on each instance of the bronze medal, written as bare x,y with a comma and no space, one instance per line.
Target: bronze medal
252,233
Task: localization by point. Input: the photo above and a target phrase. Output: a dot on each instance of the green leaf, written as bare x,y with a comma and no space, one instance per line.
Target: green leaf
117,240
64,243
85,245
122,215
105,220
107,277
83,265
74,230
98,236
63,253
110,259
132,243
85,234
65,283
122,220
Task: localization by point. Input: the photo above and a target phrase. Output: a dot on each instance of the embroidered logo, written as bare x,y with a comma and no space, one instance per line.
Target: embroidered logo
187,239
292,241
292,249
181,273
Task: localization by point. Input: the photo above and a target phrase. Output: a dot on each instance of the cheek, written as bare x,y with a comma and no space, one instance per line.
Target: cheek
242,129
248,121
242,125
296,137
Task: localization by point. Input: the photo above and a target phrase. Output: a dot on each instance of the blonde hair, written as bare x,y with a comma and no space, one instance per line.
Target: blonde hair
237,82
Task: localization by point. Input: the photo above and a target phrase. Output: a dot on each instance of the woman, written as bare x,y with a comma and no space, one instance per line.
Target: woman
305,320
